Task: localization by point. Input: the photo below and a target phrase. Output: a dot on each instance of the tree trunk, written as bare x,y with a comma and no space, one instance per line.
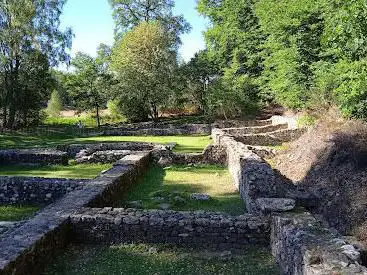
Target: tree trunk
97,116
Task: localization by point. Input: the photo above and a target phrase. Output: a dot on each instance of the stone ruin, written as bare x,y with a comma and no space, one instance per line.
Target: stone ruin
82,211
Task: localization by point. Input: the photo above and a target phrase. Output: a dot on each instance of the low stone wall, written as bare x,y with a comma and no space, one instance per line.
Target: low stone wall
89,148
161,130
34,156
28,247
221,124
35,191
109,156
302,245
252,175
254,130
271,138
192,229
213,155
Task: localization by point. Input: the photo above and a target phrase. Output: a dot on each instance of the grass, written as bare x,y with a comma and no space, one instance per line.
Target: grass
73,171
87,121
16,213
182,181
144,259
185,144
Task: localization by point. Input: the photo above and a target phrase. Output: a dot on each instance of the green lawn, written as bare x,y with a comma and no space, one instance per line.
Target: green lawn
73,171
185,144
181,181
16,213
141,259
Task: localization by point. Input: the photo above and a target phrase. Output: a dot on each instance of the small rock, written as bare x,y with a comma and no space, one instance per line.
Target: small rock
164,206
275,204
200,197
153,250
49,195
350,251
164,161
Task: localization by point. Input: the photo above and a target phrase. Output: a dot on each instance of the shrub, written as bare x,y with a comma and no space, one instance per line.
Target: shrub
54,105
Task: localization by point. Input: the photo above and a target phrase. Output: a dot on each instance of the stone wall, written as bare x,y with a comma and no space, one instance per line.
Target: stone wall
161,130
35,191
221,124
88,149
34,156
255,130
251,174
302,245
212,154
28,247
192,229
271,138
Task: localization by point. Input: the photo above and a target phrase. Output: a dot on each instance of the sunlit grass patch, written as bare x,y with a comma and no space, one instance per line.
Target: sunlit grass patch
185,144
73,171
16,213
145,259
177,182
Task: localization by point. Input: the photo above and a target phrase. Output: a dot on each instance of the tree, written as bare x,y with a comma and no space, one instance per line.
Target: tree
89,84
130,13
30,41
54,105
198,74
234,43
144,65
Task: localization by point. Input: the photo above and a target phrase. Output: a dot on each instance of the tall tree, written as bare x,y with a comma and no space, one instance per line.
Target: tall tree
234,42
30,39
198,74
89,84
144,64
130,13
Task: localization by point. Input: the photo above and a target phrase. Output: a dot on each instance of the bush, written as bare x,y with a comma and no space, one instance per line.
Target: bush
54,105
344,83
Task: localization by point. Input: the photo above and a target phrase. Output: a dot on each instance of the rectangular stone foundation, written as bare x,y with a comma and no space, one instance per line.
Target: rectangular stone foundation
25,249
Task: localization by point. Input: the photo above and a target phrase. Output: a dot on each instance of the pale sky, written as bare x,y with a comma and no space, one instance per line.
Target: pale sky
92,24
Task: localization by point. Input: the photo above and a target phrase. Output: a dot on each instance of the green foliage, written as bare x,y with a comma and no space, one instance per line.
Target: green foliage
314,53
144,66
197,76
234,44
130,13
90,83
54,105
114,109
306,120
30,42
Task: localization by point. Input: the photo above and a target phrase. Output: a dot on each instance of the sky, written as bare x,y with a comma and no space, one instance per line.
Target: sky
92,24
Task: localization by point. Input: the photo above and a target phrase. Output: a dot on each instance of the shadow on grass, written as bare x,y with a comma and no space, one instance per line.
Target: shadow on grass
168,259
175,185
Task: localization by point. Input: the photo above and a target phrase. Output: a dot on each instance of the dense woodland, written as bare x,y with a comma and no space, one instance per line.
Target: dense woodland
304,55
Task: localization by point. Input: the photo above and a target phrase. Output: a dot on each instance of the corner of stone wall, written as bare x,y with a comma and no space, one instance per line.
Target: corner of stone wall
302,245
